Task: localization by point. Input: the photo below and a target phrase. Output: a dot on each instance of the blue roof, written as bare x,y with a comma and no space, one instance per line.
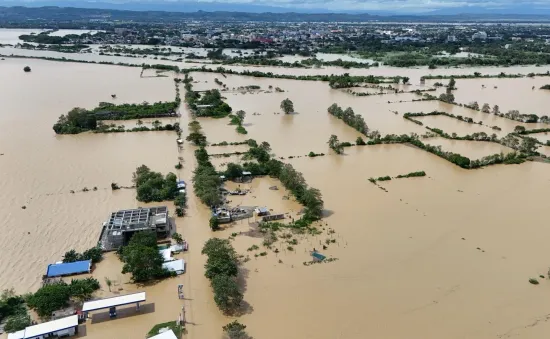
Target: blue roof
58,270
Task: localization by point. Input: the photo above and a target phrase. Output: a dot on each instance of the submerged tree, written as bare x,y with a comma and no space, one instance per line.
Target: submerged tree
240,114
26,69
335,145
287,106
486,108
496,109
235,330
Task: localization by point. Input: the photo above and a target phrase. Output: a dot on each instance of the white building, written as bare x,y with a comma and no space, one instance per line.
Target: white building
451,38
479,35
63,327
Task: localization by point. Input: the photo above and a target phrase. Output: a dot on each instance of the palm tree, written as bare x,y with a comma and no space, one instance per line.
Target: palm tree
109,282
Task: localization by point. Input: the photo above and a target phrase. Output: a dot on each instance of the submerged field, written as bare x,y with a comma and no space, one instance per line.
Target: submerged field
448,255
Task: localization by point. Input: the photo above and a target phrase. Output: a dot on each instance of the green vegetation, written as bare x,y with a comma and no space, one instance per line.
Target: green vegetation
177,329
206,180
196,135
76,121
222,269
412,175
457,159
291,179
13,311
238,120
207,104
52,297
534,281
142,258
349,117
26,69
287,106
95,254
360,142
545,87
180,201
386,178
235,330
156,126
152,186
409,116
335,144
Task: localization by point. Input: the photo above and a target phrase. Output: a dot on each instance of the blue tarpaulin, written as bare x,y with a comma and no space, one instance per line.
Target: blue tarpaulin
58,270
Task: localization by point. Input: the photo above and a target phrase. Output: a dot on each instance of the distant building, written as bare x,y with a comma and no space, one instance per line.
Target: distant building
480,36
121,225
451,38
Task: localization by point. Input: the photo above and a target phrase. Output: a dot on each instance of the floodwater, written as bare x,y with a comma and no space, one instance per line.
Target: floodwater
522,94
448,255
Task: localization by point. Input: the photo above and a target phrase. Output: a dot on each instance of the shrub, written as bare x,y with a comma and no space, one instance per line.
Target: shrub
534,281
386,178
214,224
26,69
360,142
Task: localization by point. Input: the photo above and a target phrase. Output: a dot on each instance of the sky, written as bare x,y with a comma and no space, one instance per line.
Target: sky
350,5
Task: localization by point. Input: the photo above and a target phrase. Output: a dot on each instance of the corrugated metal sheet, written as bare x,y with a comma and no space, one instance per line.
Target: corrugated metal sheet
58,270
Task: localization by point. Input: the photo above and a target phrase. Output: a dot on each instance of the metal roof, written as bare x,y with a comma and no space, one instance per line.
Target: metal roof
165,335
113,301
177,266
51,326
17,335
58,270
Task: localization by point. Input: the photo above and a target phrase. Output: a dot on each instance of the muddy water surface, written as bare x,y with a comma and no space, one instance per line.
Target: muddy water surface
448,255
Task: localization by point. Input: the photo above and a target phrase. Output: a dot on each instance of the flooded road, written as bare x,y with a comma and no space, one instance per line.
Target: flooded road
448,255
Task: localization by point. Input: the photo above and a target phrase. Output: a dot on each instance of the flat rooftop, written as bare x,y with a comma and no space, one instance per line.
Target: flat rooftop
137,219
120,300
51,326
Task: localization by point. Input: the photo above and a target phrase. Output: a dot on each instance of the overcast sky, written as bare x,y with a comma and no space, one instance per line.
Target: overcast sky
386,5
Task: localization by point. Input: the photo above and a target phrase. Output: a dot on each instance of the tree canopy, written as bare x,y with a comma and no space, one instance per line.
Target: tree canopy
222,269
142,258
152,186
287,106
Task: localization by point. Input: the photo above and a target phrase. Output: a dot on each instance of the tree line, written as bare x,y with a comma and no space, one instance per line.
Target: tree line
349,117
291,179
222,268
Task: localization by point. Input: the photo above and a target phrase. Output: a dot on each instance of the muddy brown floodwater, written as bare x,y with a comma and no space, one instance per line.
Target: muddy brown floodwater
448,255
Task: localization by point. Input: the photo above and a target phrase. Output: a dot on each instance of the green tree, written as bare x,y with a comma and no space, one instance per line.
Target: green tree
234,171
235,330
519,129
49,298
528,145
71,256
109,283
313,201
405,80
142,259
26,69
360,142
177,237
452,84
240,114
214,223
227,296
496,109
335,145
486,108
17,322
287,106
95,254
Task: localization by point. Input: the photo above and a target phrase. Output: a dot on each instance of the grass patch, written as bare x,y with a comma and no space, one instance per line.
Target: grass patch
177,329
